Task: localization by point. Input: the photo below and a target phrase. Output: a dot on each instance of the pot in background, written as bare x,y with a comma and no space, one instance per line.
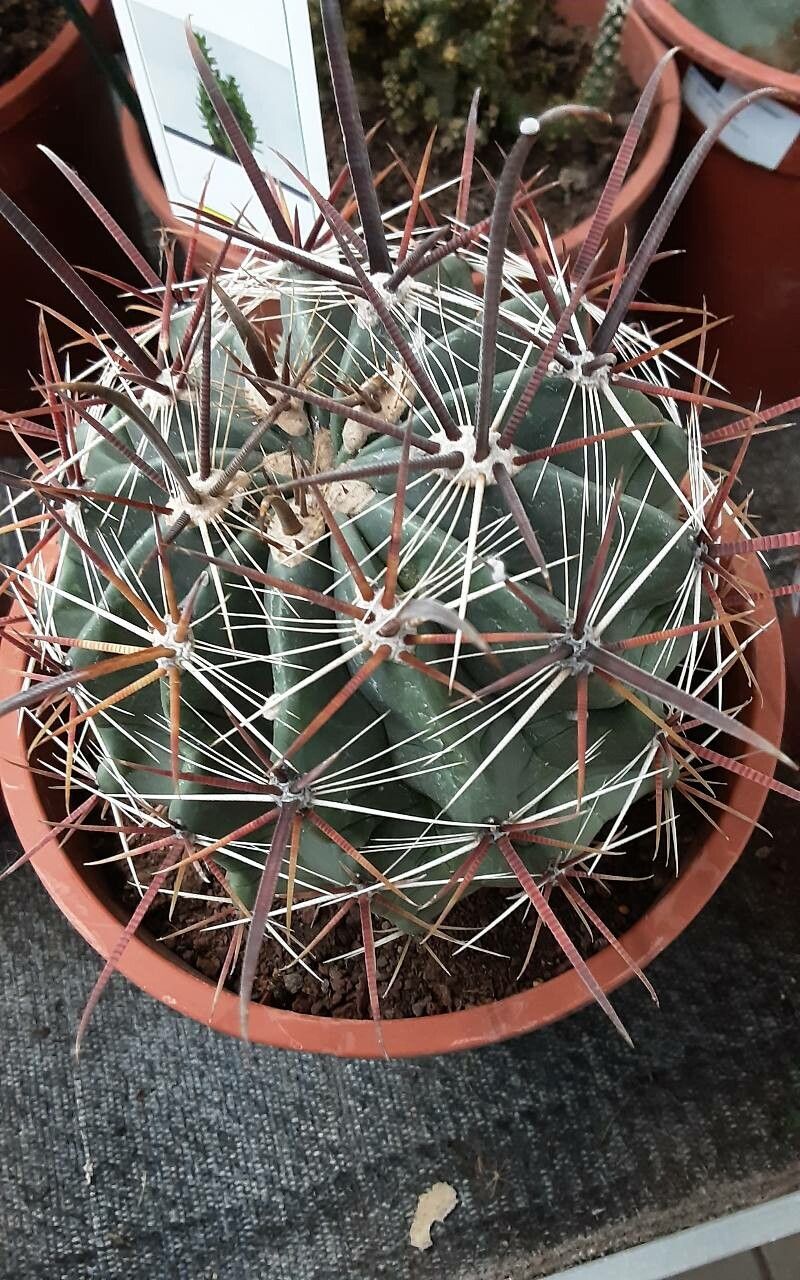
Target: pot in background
60,99
737,227
640,53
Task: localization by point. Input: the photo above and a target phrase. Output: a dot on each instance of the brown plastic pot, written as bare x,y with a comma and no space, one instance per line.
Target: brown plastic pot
737,228
60,99
83,897
640,51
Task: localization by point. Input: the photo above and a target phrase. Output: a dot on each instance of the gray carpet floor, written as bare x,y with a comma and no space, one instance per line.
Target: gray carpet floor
170,1152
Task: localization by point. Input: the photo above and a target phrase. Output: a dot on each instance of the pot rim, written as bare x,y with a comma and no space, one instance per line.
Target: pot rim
23,92
637,186
698,46
158,972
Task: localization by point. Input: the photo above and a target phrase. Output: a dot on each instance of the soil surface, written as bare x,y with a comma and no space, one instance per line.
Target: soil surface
337,987
26,28
578,155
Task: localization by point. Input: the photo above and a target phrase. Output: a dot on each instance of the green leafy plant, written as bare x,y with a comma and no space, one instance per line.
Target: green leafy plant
229,88
374,589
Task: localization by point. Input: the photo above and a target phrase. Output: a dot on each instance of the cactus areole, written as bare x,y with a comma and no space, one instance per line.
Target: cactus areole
375,588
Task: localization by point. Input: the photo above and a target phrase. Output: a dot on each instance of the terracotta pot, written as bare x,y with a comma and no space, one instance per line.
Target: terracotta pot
61,99
737,229
640,50
790,632
83,897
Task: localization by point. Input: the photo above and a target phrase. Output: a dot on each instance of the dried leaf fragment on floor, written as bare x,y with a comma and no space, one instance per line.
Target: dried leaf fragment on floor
434,1205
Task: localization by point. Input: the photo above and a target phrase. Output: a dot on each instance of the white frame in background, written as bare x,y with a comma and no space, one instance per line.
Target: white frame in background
669,1257
278,31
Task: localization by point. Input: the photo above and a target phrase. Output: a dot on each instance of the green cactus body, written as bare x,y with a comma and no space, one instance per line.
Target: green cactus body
412,760
599,82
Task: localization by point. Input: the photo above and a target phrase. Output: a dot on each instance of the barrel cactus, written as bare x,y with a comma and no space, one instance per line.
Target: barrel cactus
387,566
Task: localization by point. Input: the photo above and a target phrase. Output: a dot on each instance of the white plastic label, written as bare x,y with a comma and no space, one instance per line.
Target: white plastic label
762,133
267,50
